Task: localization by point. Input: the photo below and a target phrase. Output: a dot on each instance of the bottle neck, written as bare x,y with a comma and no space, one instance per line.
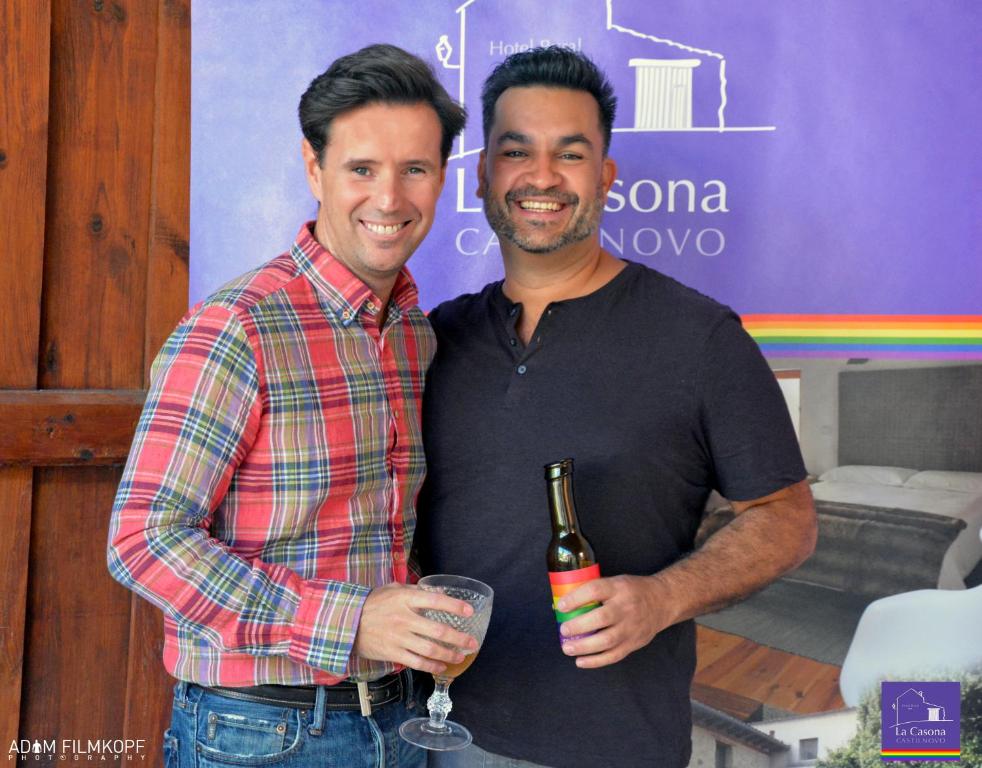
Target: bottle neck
561,506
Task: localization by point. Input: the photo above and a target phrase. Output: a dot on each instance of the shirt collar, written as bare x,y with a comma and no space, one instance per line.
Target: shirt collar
344,291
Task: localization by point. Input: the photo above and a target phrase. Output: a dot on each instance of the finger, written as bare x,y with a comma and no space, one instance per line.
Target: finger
597,660
595,591
598,642
434,651
420,663
421,599
443,633
597,619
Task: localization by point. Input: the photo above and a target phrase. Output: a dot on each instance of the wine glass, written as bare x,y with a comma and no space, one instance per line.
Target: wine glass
436,732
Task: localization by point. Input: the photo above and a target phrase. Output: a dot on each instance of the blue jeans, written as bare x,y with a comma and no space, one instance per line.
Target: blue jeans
475,757
212,731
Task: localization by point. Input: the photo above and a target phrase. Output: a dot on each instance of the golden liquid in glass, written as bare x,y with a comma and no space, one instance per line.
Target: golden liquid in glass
454,670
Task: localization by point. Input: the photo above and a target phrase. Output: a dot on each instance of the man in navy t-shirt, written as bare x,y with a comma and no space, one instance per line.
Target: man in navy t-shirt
658,394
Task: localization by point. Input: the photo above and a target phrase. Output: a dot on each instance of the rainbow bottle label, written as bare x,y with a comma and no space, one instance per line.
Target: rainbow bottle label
564,582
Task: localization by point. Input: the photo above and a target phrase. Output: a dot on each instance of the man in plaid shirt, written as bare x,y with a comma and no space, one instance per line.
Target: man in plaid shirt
268,505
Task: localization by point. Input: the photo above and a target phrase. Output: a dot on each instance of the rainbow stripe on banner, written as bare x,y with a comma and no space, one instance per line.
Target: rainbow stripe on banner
879,336
916,754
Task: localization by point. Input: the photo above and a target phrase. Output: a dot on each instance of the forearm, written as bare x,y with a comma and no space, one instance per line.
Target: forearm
247,606
763,542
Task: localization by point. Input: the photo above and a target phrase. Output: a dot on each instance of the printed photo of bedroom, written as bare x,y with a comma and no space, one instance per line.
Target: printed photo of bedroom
894,588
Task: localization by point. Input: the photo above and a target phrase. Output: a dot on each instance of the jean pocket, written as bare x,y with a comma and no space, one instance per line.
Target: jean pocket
244,733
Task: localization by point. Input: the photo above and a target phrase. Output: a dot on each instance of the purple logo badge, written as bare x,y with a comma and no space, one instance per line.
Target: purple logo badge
920,721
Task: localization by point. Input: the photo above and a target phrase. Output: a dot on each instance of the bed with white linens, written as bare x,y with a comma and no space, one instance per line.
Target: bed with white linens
937,492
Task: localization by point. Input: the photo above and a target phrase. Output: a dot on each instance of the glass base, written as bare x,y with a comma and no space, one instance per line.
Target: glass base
451,736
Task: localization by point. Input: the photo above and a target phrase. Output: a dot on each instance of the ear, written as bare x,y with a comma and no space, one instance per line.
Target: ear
608,173
482,182
312,169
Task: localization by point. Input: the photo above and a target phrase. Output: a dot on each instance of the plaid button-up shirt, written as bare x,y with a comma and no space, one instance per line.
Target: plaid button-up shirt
274,472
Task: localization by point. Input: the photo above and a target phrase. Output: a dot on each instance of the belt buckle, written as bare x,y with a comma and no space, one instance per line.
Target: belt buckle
364,698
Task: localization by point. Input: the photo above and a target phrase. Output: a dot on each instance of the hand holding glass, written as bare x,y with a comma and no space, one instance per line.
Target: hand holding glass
436,732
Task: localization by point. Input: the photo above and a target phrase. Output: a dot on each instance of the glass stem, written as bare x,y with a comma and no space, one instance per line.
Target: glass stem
439,705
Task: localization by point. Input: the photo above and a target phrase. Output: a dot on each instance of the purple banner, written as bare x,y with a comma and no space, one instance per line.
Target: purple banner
780,157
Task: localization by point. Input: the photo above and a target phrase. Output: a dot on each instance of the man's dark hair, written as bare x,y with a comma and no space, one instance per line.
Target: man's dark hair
553,67
377,74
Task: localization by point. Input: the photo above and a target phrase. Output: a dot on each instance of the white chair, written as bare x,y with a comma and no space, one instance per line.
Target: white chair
914,636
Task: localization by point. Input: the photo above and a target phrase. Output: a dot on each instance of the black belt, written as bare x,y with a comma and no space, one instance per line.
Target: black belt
341,696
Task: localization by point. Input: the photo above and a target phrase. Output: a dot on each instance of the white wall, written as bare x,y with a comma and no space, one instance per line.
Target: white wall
833,729
791,389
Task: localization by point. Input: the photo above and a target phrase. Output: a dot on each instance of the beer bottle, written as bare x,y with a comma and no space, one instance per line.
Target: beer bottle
570,557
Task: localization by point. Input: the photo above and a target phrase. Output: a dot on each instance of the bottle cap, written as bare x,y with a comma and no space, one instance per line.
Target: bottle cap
558,469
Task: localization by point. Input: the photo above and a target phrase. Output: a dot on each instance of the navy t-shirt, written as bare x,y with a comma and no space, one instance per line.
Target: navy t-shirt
660,396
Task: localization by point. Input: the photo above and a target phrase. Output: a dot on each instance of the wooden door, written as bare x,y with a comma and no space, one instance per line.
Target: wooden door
94,189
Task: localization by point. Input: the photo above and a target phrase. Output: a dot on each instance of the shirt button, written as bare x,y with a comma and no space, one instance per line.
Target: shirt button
549,312
512,312
521,370
513,342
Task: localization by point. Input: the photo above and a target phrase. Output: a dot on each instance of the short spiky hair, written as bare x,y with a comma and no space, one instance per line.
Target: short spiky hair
552,67
377,74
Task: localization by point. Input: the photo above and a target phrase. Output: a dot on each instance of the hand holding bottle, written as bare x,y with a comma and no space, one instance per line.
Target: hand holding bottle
601,620
633,610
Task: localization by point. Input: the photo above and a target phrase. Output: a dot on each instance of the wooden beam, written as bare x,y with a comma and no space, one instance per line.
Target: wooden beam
25,30
170,218
101,135
77,616
744,709
25,38
15,517
148,705
67,427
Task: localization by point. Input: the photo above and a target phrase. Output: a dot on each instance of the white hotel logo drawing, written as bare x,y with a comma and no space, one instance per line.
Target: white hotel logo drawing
663,86
912,704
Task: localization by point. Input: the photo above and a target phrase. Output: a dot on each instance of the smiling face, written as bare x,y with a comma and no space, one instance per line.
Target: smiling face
377,185
543,175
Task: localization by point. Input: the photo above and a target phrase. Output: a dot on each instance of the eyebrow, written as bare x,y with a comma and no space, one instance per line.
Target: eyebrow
518,138
356,161
576,138
565,141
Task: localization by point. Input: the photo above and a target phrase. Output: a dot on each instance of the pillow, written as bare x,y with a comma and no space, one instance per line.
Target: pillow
861,473
964,482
